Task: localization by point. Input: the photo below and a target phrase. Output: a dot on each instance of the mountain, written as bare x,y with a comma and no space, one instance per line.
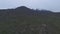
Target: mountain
28,11
21,18
24,10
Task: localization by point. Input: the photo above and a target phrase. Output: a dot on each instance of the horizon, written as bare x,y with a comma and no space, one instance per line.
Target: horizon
26,7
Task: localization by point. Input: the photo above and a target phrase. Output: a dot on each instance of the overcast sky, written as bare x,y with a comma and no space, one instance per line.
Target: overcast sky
53,5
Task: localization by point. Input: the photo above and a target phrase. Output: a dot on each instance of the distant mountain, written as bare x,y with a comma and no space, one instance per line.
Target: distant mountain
27,11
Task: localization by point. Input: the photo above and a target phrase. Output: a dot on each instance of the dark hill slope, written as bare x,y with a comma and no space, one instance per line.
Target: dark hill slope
13,19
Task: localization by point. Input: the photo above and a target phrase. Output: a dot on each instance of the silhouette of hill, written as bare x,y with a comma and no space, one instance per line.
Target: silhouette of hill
25,10
24,20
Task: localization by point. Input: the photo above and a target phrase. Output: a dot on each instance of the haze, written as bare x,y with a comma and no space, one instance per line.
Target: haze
53,5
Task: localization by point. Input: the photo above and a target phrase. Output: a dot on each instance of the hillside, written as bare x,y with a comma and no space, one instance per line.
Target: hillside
22,20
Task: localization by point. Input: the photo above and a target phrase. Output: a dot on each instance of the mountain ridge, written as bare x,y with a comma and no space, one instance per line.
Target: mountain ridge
27,11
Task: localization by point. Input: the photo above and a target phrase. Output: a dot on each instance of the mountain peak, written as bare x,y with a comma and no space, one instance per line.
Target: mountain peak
22,7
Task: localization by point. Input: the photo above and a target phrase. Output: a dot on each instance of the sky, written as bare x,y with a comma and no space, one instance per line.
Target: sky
53,5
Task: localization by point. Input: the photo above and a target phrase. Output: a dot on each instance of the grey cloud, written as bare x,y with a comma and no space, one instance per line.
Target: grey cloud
39,4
